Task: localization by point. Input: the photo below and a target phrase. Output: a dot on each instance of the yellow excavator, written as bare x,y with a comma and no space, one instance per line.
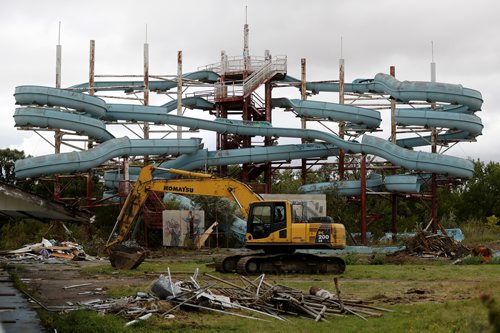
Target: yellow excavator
274,226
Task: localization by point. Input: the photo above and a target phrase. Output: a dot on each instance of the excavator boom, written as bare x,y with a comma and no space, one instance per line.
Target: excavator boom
273,226
198,184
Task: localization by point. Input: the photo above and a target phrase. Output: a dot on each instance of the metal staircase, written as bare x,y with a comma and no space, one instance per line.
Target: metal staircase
266,72
262,72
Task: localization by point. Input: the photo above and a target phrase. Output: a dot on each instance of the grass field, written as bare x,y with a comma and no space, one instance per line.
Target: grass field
450,301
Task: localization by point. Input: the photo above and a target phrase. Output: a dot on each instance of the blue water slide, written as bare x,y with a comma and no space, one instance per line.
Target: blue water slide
457,117
463,126
37,95
51,118
191,103
404,183
404,91
203,158
344,187
422,161
407,183
331,111
154,85
88,159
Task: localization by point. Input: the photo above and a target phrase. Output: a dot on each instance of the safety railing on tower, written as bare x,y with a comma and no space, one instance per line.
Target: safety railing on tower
276,65
267,69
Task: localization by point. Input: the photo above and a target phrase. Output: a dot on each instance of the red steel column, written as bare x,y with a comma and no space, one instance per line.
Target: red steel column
303,96
58,133
341,158
434,136
394,196
268,175
91,92
363,200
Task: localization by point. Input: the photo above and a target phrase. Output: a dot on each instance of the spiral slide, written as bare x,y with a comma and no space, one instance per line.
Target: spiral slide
86,114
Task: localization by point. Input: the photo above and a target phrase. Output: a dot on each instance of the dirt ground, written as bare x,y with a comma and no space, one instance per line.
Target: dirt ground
56,284
47,282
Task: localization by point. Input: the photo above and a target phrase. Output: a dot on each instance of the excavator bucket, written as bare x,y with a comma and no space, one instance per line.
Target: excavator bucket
127,258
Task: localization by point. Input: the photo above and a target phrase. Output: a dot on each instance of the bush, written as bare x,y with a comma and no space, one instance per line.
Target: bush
477,232
494,261
16,233
351,259
377,259
472,260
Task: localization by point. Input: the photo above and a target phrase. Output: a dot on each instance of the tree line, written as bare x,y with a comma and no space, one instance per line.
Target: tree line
477,198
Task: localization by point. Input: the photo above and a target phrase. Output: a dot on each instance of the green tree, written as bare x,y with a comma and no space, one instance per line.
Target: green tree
286,182
478,197
220,210
8,157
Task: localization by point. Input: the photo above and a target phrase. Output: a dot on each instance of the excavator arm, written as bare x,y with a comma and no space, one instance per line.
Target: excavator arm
195,184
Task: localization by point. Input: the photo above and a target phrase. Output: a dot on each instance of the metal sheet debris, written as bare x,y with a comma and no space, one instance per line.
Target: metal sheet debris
254,299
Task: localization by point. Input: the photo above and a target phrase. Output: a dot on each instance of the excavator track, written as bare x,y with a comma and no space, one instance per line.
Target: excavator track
290,263
228,264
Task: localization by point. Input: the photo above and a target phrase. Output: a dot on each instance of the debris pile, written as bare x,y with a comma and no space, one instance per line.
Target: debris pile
48,249
253,299
435,245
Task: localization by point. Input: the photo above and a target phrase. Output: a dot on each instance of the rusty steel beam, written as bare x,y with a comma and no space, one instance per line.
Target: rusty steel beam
434,136
394,197
145,128
363,200
303,96
58,134
179,91
341,159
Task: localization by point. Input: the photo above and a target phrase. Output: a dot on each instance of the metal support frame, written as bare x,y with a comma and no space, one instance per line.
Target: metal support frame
434,185
394,196
145,127
364,239
179,91
341,158
303,124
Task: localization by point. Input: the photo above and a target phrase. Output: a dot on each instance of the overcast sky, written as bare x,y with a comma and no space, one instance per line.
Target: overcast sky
376,35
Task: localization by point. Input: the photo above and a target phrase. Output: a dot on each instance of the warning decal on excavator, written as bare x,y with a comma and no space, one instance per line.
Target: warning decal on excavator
323,234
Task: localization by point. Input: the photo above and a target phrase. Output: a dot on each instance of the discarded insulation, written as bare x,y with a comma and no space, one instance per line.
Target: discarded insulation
435,245
48,249
251,298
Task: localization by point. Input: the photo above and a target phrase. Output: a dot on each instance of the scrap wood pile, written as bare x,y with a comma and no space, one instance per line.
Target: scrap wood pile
253,299
435,245
47,249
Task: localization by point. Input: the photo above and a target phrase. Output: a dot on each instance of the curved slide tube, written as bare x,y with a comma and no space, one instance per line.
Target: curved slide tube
404,91
204,158
85,160
158,86
463,126
50,118
37,95
392,183
346,187
458,118
331,111
422,161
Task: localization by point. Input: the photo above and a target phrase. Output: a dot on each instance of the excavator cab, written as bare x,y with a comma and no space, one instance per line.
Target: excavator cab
281,226
266,218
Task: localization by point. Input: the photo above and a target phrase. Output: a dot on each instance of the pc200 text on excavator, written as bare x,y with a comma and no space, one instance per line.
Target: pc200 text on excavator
273,226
